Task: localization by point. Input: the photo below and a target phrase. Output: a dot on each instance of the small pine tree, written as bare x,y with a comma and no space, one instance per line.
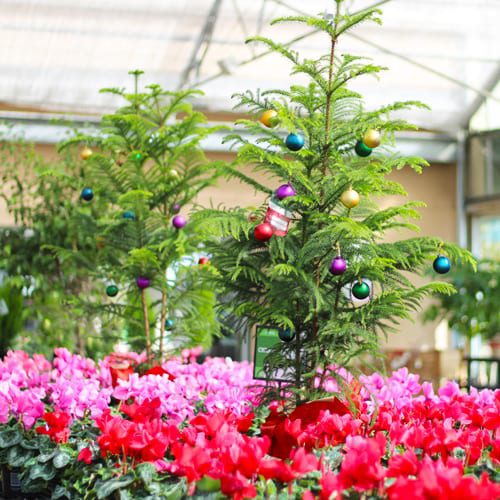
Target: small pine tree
39,195
292,280
146,162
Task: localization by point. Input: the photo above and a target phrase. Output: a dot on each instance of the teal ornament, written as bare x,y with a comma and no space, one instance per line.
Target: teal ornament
87,194
362,149
286,334
294,142
360,290
441,264
169,323
111,290
129,214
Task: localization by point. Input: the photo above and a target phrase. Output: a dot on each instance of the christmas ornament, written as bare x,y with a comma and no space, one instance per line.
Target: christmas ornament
87,194
203,260
85,153
268,118
179,221
129,214
137,156
263,232
278,217
441,264
169,323
173,173
284,191
350,198
143,282
111,290
338,266
176,208
252,217
100,242
360,290
294,142
362,149
286,334
371,139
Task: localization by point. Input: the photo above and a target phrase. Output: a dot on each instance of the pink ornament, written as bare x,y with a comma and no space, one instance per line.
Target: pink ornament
143,282
338,266
179,221
284,191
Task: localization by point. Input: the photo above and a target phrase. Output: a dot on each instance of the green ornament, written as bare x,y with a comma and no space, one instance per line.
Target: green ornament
137,156
360,290
111,290
362,149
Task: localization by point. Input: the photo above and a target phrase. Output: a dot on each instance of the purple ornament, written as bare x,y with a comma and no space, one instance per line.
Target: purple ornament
284,191
179,221
143,282
338,266
176,208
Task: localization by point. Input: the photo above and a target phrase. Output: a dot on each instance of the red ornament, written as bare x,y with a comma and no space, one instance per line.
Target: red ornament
263,232
203,260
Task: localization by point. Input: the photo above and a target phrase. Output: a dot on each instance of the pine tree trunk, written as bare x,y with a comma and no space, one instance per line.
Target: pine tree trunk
298,361
146,324
80,344
163,319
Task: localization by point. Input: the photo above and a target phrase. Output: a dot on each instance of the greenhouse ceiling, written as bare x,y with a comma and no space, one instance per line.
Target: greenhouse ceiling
55,55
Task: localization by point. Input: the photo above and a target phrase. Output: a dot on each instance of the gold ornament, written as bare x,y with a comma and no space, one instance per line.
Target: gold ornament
268,118
100,242
85,153
350,198
371,138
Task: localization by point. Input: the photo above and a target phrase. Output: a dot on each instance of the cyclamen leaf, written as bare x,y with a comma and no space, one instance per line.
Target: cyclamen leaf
105,488
61,459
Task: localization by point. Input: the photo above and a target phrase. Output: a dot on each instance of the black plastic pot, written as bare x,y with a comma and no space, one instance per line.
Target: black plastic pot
11,483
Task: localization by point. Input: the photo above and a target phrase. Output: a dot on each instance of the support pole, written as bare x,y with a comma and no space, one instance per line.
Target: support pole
462,238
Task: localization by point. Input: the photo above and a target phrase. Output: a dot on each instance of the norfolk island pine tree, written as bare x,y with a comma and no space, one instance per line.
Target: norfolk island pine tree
289,281
146,161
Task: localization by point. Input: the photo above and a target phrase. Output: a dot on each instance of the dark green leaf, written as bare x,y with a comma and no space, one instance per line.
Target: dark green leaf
61,459
104,489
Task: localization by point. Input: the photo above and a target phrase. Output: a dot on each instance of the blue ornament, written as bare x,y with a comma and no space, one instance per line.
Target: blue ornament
294,142
87,194
129,214
286,334
169,323
441,264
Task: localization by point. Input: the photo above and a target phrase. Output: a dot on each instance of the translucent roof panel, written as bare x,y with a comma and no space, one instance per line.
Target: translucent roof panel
57,54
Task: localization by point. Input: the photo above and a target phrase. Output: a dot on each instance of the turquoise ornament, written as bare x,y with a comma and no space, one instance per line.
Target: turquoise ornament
441,264
294,142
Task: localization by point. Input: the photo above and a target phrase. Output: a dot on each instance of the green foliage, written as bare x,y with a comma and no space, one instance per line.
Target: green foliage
474,310
41,195
146,158
11,316
50,470
286,281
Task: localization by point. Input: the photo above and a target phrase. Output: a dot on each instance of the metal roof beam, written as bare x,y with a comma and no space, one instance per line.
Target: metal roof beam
490,85
204,38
